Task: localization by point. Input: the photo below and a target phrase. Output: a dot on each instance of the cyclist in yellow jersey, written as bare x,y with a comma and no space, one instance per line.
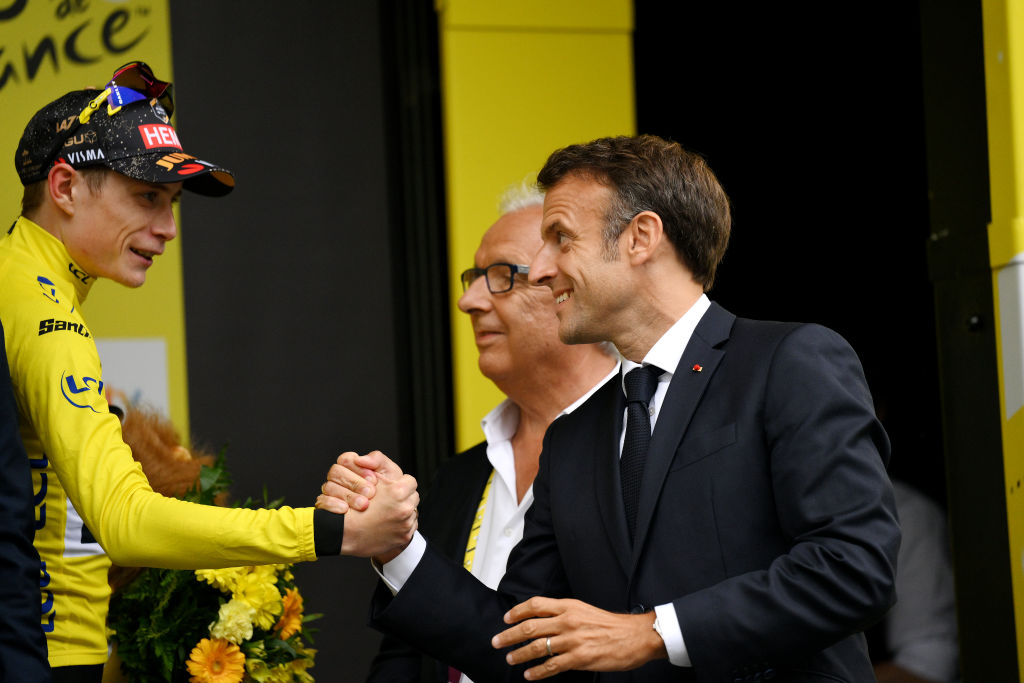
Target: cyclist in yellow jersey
102,169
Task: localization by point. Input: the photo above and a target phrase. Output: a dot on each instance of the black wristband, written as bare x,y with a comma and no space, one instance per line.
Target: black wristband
328,530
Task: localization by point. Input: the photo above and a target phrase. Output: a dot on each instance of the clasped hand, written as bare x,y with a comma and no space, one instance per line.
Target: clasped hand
384,529
566,634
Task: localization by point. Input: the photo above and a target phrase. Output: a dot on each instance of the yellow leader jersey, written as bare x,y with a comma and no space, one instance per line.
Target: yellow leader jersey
90,495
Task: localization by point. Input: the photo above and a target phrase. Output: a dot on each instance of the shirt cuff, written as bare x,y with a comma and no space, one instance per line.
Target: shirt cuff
672,635
931,658
328,530
396,572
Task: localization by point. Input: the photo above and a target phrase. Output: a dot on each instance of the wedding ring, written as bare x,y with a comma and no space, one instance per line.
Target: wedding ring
550,653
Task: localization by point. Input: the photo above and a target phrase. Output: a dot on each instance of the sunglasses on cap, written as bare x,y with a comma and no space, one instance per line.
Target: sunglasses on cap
131,83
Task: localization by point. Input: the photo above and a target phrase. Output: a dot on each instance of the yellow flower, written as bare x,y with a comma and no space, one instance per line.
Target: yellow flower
263,597
255,650
266,572
290,622
282,673
234,622
216,661
300,665
258,670
222,579
302,662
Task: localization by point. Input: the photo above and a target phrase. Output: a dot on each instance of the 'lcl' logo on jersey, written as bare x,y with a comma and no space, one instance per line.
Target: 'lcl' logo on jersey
79,273
81,392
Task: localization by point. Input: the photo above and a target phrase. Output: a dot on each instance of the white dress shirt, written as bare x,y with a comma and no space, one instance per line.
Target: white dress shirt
665,354
921,629
502,525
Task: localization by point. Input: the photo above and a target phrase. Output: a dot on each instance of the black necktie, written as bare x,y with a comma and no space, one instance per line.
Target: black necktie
641,384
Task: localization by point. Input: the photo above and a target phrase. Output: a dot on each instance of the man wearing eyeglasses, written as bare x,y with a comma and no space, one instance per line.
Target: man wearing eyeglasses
102,170
475,508
720,513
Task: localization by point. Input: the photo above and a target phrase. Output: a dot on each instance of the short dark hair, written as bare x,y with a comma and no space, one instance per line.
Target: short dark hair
647,173
32,197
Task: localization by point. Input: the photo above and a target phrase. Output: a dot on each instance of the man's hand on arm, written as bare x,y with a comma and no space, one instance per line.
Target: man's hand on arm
380,530
580,636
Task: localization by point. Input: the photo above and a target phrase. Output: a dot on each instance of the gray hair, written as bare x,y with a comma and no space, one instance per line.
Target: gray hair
522,196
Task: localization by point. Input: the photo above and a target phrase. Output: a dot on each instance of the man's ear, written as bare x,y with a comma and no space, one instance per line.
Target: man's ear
646,233
60,184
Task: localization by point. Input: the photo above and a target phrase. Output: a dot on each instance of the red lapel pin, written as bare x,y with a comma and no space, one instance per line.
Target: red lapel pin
697,367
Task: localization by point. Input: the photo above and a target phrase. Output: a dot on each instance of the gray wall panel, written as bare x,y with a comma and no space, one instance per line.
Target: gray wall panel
288,279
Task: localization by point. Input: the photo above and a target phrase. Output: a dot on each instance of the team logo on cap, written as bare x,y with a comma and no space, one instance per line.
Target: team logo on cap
65,124
85,155
160,111
26,163
159,135
179,158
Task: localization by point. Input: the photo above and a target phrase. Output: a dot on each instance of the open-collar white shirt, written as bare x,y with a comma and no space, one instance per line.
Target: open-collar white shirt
500,424
502,525
665,354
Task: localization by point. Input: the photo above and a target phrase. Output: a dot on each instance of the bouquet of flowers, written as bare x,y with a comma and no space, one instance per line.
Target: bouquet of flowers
234,625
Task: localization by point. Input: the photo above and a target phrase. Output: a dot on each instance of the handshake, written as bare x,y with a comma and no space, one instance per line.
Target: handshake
381,530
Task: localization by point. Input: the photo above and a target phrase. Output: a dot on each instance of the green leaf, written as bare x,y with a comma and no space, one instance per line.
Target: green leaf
158,618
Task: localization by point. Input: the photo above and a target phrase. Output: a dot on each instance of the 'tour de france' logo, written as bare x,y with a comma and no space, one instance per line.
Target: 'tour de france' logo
81,391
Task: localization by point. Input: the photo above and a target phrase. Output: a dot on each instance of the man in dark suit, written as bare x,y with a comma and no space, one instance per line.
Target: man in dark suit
474,511
22,645
764,536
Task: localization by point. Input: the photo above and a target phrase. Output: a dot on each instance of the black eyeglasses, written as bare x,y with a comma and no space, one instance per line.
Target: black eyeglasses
499,276
132,82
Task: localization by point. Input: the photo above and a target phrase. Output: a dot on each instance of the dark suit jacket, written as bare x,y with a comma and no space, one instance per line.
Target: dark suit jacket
446,515
766,518
22,644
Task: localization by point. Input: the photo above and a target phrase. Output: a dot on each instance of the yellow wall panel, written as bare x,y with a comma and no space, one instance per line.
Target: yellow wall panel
511,96
1004,83
50,48
600,15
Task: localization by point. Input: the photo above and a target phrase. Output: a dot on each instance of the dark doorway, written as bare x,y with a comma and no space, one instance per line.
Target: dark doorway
813,119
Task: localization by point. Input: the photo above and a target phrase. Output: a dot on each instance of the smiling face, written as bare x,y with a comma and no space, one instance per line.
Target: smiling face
117,230
516,331
590,282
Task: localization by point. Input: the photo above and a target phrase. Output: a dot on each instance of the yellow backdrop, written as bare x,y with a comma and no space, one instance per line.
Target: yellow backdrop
1004,83
520,79
48,47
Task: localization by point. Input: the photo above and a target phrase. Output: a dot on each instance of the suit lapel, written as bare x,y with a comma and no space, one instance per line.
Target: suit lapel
606,434
681,400
448,509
